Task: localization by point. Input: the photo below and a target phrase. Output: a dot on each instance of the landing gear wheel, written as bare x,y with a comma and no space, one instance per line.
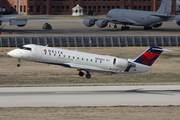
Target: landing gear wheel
125,28
18,65
114,26
147,28
81,74
88,76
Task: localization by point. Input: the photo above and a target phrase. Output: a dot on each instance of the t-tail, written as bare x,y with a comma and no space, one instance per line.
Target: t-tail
165,7
150,56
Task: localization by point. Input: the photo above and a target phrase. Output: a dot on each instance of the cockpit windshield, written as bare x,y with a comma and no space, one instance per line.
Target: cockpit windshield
26,48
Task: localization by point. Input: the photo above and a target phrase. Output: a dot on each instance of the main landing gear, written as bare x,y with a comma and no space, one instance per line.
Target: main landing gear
125,28
82,74
18,65
147,27
114,26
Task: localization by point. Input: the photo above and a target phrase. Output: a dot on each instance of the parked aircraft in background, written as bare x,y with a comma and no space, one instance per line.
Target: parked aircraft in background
87,62
125,17
20,22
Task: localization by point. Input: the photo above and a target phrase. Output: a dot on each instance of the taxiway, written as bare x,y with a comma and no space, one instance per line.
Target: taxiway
77,28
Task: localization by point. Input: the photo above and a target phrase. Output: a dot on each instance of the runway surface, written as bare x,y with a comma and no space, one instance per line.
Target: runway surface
89,96
77,28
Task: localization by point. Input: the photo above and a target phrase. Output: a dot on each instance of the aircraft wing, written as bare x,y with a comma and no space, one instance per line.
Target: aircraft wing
177,17
116,21
13,15
4,19
89,68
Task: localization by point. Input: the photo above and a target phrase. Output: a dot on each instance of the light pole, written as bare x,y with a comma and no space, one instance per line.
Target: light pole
0,5
19,7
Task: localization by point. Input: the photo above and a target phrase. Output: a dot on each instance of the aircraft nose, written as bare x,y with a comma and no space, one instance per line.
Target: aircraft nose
14,53
10,53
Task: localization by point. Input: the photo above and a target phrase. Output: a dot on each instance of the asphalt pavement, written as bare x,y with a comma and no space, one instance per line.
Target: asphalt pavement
89,96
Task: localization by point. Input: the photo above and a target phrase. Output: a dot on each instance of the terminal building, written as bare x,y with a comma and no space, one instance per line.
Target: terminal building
64,7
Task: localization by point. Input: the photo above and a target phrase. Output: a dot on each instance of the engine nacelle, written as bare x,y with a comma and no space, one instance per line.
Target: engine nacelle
18,22
21,25
101,23
119,62
157,25
89,22
178,22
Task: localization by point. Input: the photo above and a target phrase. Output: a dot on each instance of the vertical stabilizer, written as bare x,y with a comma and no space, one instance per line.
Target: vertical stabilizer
149,56
165,7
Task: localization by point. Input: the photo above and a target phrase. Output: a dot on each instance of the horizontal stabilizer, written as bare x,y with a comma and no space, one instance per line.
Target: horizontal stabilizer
162,15
162,49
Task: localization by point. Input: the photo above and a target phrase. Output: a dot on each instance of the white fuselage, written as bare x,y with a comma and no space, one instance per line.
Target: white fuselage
76,59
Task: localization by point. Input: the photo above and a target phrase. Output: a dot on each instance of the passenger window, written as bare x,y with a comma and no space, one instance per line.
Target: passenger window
73,57
95,60
54,54
64,56
59,55
82,58
87,59
68,56
49,53
100,61
91,60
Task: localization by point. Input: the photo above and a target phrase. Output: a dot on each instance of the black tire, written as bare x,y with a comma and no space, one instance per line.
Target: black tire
18,65
88,76
122,28
81,74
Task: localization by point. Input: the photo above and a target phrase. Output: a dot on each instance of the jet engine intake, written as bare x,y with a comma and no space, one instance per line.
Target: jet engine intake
119,62
178,22
101,23
21,25
157,25
89,22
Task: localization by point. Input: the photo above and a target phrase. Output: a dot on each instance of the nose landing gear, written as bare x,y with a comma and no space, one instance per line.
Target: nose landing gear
18,65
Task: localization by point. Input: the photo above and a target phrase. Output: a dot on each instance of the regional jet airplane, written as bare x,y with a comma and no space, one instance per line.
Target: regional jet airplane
87,62
20,22
135,17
